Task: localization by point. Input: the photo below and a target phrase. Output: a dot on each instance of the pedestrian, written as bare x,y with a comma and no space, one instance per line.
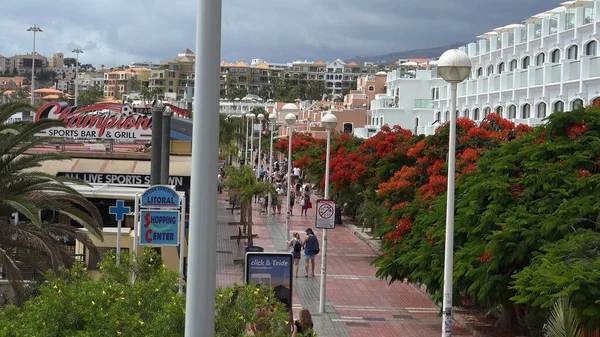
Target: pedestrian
292,201
306,204
279,198
274,198
304,324
261,172
298,190
232,202
307,189
220,183
296,245
311,249
263,204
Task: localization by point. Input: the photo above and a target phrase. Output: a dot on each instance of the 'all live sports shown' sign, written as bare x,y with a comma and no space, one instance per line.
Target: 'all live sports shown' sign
98,121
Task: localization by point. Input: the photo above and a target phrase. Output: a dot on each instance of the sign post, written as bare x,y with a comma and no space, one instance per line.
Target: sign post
119,211
325,214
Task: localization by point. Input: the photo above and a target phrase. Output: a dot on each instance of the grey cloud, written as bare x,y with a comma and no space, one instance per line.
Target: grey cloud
114,32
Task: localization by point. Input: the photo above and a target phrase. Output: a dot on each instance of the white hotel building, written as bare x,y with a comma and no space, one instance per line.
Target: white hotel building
523,72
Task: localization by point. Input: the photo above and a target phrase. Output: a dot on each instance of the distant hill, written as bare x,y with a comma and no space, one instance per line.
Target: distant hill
416,53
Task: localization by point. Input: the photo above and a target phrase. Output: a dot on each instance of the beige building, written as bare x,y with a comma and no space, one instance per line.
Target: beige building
21,64
117,83
174,76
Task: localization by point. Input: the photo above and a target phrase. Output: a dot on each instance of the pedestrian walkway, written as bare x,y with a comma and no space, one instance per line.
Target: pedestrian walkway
357,303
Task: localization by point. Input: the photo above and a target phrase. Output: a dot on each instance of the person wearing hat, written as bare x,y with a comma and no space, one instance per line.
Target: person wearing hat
311,249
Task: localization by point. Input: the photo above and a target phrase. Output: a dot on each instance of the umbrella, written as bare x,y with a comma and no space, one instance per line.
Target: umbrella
487,35
410,64
578,3
536,18
508,28
557,10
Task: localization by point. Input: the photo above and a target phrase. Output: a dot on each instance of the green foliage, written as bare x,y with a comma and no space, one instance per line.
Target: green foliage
90,96
113,306
563,321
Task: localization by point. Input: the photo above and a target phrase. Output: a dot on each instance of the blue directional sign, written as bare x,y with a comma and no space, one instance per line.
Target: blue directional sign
119,210
160,196
159,228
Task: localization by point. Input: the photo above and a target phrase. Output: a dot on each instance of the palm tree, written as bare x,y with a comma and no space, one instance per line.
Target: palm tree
563,320
243,185
26,191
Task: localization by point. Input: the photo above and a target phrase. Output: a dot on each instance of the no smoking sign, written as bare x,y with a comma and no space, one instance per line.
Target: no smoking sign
325,214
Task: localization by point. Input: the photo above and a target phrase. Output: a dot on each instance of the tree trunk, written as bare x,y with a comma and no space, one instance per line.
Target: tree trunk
243,217
508,317
250,239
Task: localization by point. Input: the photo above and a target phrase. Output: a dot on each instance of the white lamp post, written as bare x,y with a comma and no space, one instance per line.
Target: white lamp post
246,148
251,117
454,66
272,120
77,51
35,29
260,118
329,121
290,119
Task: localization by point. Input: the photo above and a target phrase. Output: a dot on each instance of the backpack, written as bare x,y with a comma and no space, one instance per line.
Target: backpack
297,246
312,244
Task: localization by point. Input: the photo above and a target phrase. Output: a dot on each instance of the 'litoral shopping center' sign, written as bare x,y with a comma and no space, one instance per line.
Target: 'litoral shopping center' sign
98,121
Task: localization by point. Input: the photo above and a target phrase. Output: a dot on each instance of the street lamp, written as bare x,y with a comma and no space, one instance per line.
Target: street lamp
251,116
34,29
329,122
290,119
260,118
272,120
77,51
246,148
454,66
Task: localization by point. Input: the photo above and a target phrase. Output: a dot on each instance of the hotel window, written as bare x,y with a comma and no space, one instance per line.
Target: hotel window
512,65
572,52
499,110
577,104
525,62
479,72
487,111
590,48
433,93
526,111
490,70
512,112
446,116
559,106
416,124
555,56
476,114
466,113
457,114
539,59
501,68
438,116
541,110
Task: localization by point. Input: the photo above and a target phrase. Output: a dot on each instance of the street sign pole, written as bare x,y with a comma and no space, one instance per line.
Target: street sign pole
119,211
136,219
181,242
323,284
119,243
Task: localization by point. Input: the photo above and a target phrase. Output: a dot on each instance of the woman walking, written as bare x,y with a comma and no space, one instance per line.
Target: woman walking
296,245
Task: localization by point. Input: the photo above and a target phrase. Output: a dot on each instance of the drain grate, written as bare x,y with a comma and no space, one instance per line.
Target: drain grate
363,325
374,319
403,316
224,251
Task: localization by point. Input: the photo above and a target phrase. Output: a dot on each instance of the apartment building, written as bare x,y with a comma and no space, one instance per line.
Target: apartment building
173,76
21,64
145,64
86,80
4,65
524,72
367,86
117,83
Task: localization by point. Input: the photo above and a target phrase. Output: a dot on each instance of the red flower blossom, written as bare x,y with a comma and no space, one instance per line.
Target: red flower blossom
485,257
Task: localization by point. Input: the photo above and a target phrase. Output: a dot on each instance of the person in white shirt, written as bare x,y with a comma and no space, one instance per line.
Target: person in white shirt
297,171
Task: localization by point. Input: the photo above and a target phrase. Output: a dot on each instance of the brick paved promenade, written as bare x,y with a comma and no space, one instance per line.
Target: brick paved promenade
358,304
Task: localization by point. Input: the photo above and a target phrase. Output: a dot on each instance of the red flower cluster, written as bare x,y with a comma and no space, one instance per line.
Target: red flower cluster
577,130
583,174
485,257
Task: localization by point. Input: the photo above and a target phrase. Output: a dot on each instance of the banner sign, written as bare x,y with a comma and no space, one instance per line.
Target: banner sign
325,214
98,121
181,183
159,228
272,270
160,196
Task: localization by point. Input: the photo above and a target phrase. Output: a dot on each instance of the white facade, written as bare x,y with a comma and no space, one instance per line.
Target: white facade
86,81
524,74
145,64
334,77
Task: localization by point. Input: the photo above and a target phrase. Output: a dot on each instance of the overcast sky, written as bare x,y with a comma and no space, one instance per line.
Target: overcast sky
115,32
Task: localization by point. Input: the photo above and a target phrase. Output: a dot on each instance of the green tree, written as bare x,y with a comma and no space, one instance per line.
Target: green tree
28,191
90,96
233,90
563,321
69,62
243,185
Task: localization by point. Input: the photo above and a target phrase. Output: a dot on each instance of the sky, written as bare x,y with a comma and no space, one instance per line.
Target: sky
118,32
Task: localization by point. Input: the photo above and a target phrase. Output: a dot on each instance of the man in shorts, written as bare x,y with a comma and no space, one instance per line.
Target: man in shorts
311,249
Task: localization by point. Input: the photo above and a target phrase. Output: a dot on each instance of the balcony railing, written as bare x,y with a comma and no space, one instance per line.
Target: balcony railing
423,104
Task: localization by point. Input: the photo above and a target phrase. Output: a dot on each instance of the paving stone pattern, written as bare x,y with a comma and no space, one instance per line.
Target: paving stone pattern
357,303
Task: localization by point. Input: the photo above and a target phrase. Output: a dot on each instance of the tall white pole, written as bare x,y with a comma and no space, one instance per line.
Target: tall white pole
77,51
202,250
270,163
289,184
259,146
118,242
252,142
181,242
246,149
33,29
324,241
449,248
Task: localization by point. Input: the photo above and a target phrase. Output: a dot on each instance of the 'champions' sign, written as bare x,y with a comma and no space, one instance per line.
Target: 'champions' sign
98,121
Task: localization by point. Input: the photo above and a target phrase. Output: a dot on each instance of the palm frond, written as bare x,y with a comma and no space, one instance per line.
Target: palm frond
563,320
